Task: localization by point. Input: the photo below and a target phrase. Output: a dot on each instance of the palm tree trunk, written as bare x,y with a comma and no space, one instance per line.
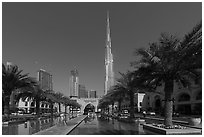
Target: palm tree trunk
168,89
119,105
51,104
112,107
3,106
38,107
59,107
6,106
131,104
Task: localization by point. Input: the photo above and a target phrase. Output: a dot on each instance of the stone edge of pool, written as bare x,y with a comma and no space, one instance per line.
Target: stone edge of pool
62,130
76,124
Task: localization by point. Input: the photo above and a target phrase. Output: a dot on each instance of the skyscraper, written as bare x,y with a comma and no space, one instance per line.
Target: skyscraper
74,83
45,80
83,93
109,74
92,94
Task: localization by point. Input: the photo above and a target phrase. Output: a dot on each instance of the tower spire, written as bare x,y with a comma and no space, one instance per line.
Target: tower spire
109,75
108,29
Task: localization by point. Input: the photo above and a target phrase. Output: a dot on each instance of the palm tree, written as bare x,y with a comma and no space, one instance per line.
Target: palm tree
51,98
66,102
169,61
127,84
110,98
119,95
74,104
37,95
12,79
59,97
104,104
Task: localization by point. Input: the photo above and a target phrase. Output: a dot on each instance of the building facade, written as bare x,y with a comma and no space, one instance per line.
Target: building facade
83,93
74,83
185,100
29,106
109,74
92,94
45,80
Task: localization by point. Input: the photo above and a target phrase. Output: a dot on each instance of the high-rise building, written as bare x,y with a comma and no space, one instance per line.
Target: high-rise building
83,93
109,74
74,83
45,80
92,94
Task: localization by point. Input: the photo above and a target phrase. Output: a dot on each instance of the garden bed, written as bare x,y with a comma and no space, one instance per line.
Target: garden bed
171,130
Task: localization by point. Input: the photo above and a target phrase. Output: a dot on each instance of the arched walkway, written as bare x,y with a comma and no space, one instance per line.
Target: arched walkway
89,108
85,101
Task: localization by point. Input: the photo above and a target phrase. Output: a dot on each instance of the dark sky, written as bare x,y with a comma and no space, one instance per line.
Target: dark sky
58,37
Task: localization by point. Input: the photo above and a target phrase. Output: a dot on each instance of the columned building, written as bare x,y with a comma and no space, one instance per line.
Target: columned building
109,74
74,83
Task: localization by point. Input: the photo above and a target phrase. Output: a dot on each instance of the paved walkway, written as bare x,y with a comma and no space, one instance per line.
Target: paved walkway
63,128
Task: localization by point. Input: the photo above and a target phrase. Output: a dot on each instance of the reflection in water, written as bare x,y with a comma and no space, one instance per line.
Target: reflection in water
33,126
101,125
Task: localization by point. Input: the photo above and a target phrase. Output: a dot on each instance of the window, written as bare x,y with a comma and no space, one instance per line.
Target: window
33,104
184,97
26,103
25,125
140,103
199,96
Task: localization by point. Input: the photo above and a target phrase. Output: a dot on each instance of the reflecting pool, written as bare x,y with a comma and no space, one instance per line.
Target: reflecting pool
32,126
100,125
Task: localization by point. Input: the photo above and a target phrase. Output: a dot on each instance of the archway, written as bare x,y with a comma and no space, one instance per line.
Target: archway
85,101
89,108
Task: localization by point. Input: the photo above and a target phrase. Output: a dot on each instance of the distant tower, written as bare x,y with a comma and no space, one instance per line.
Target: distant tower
45,80
109,74
74,83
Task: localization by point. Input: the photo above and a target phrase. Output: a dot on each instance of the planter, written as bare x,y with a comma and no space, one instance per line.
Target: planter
194,121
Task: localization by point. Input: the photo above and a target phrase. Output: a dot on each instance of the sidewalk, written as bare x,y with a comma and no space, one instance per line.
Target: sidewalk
63,128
